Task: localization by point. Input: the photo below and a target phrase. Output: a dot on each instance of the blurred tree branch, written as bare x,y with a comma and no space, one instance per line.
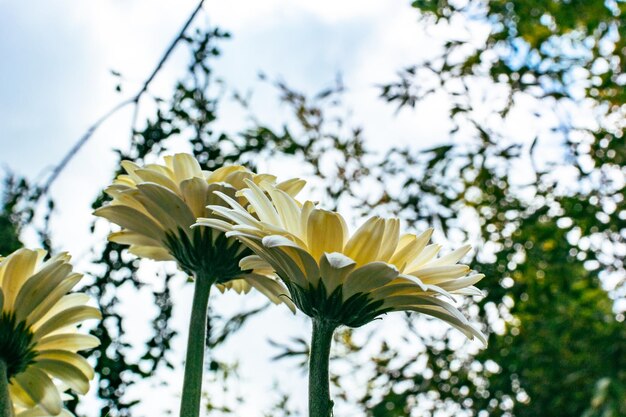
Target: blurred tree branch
134,100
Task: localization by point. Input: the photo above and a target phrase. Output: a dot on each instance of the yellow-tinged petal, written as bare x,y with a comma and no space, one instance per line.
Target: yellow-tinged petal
290,268
132,220
128,198
73,342
195,192
410,247
364,244
391,237
292,186
462,325
471,291
263,206
70,375
126,237
222,173
66,301
425,256
324,233
57,300
234,215
18,267
129,166
300,256
451,258
71,358
165,206
216,224
367,278
459,283
439,274
65,318
334,268
185,166
160,169
255,262
307,208
289,211
19,397
274,291
38,412
38,386
39,286
148,175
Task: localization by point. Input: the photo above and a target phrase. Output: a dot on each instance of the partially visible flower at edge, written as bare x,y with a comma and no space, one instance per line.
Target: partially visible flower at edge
39,337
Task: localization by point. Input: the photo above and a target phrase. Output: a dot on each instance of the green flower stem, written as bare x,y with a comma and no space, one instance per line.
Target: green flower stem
320,404
196,343
6,406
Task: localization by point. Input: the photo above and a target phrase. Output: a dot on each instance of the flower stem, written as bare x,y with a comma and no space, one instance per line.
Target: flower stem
6,406
320,404
196,342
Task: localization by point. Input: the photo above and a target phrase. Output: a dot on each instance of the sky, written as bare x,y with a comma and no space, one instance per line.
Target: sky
55,80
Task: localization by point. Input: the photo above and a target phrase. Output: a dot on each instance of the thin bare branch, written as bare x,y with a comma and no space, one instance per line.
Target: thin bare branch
134,100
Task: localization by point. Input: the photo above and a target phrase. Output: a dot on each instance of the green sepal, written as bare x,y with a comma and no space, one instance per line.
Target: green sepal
315,302
208,252
16,344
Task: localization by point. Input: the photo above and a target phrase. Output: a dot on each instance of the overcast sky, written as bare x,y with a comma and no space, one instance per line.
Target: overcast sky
55,81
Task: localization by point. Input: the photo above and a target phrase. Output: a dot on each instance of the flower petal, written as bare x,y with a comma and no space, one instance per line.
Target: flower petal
324,233
425,256
451,258
256,263
126,237
262,205
409,247
56,299
38,386
68,341
368,277
16,269
439,274
165,206
185,166
364,245
390,240
149,175
71,358
292,186
70,375
195,192
39,286
288,211
65,318
132,220
271,288
301,257
457,284
334,267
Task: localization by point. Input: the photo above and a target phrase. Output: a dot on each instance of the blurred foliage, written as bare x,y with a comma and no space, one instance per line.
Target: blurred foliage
547,214
10,221
556,344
